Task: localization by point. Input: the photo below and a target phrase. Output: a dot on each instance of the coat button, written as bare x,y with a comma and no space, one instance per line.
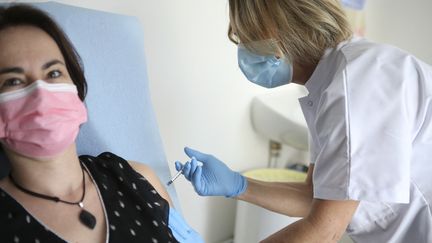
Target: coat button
310,103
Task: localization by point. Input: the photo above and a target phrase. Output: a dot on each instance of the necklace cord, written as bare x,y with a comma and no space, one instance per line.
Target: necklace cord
47,197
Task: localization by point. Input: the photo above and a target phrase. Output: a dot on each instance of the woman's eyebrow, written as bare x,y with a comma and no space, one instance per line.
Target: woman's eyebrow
51,63
21,70
11,70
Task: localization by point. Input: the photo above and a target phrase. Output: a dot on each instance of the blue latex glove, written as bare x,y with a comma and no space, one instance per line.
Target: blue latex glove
213,177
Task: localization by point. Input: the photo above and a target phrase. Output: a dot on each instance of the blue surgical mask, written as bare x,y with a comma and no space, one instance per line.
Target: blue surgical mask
267,71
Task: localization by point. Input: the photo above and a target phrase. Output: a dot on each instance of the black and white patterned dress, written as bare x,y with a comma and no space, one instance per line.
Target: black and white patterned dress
134,210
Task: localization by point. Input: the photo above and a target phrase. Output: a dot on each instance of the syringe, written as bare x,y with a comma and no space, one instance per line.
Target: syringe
174,178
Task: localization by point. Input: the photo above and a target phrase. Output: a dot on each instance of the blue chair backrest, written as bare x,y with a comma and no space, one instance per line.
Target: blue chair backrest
121,117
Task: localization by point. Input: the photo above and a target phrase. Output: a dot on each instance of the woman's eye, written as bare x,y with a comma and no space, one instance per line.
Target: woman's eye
13,82
54,74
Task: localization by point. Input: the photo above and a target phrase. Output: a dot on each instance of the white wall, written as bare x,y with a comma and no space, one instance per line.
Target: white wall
201,98
406,24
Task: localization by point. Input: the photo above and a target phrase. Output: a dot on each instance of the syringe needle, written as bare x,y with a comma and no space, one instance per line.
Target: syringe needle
174,178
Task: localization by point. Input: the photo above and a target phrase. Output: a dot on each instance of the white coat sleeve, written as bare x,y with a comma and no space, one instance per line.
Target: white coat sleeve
364,134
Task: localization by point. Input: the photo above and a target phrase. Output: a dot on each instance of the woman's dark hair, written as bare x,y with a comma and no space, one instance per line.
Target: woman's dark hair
21,14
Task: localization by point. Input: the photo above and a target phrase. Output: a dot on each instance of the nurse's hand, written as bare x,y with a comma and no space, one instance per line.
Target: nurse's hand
213,177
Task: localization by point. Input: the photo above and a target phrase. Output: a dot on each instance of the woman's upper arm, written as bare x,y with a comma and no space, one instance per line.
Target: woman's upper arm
151,177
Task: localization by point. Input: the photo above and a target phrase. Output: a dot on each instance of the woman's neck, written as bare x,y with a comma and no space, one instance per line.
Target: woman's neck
60,176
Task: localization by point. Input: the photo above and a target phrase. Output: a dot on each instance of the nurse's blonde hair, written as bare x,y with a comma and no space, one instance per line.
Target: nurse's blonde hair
301,29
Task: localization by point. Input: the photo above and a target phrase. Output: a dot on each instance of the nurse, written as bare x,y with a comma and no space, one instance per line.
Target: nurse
369,114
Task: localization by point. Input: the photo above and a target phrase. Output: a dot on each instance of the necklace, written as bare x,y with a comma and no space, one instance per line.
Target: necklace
85,217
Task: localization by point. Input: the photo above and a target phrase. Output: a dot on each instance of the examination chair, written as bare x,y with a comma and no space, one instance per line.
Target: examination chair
120,114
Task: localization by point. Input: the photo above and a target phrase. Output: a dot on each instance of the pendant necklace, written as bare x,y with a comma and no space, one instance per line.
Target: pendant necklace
85,217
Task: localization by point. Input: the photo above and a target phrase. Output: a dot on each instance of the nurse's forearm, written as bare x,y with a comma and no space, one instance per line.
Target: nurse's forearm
293,199
302,231
299,231
326,223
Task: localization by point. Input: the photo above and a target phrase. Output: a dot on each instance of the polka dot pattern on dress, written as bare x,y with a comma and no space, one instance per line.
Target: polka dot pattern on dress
135,211
155,223
138,222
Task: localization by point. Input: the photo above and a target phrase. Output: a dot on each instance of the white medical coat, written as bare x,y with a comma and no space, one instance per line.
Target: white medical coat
369,113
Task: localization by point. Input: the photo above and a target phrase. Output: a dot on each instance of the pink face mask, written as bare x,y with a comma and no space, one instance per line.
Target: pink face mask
42,119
